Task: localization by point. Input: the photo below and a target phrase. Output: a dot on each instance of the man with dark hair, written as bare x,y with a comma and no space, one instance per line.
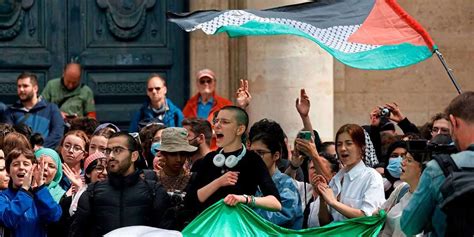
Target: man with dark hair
43,117
125,199
206,101
199,135
426,204
73,98
157,108
440,124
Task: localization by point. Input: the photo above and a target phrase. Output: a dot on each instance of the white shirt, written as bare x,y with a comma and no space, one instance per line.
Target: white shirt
309,192
313,218
394,213
360,188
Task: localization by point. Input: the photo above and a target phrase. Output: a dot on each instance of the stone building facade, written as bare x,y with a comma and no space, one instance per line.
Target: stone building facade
278,66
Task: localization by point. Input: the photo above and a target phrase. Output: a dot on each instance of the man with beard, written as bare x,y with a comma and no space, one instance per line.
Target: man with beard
199,135
125,199
157,108
425,207
43,117
73,98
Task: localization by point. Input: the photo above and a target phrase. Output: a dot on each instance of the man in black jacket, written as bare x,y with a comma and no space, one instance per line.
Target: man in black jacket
125,199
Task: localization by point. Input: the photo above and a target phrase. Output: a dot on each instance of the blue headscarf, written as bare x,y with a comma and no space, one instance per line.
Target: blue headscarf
56,191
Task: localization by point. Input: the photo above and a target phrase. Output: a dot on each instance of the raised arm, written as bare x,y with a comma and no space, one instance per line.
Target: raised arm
302,106
309,149
401,120
242,95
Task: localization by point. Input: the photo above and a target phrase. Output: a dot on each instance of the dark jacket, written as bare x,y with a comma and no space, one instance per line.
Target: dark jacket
119,202
44,118
172,116
26,213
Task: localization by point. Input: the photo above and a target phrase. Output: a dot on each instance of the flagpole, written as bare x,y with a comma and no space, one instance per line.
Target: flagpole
448,70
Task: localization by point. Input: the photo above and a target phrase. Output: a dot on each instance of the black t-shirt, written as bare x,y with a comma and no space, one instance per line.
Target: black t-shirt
253,174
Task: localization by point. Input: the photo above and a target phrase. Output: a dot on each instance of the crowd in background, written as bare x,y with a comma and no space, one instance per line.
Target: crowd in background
64,174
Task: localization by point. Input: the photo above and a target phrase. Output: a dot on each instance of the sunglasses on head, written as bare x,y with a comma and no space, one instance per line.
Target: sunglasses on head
154,88
204,81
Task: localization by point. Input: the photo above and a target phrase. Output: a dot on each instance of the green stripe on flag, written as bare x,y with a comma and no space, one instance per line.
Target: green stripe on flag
382,58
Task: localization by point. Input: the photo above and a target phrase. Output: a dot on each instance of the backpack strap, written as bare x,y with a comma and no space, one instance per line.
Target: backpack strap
446,163
402,192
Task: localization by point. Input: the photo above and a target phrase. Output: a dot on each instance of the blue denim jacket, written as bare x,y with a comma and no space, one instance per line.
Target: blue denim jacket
291,214
425,203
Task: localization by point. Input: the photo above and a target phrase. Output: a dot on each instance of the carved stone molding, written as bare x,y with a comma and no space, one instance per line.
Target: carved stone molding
121,88
12,14
7,88
126,19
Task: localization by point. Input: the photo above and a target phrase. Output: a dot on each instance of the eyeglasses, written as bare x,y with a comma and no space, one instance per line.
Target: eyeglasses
261,153
150,89
117,150
208,81
221,121
440,130
99,169
75,148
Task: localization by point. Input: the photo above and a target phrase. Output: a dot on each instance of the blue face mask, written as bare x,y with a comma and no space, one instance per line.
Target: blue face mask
394,167
154,148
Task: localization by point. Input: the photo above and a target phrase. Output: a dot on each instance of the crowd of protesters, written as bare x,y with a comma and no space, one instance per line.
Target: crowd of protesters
64,174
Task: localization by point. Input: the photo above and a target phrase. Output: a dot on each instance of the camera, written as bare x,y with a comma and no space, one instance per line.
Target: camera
384,112
424,150
177,197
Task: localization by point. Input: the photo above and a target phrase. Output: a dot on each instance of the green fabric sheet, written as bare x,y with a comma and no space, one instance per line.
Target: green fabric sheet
223,220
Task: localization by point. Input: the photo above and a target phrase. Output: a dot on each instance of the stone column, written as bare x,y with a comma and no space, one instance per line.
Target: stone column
209,51
278,67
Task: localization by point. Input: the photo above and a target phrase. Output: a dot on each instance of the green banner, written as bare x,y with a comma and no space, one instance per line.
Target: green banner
223,220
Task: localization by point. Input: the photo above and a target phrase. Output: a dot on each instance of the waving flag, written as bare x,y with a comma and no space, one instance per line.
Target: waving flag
222,220
365,34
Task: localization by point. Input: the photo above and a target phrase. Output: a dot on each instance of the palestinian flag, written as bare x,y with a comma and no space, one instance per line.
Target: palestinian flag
365,34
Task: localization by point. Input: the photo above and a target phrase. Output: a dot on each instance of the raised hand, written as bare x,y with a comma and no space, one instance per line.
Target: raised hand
302,104
296,159
229,179
28,178
326,193
306,147
243,95
74,177
158,163
233,199
395,115
40,179
316,180
375,117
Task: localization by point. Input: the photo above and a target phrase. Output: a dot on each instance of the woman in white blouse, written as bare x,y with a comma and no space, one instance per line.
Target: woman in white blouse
356,190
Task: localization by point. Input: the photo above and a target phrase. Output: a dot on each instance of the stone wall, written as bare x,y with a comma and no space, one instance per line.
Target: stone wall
278,66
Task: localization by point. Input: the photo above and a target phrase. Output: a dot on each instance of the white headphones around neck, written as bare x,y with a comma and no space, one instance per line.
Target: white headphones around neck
231,161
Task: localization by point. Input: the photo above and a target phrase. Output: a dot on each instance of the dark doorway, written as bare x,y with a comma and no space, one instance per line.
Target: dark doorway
118,42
